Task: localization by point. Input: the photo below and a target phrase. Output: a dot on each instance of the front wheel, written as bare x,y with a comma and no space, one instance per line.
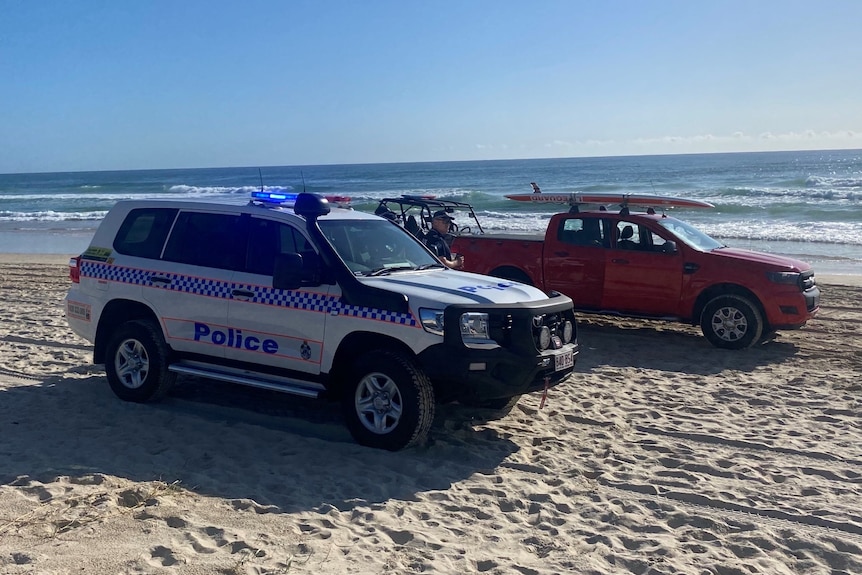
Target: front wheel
731,322
136,362
389,403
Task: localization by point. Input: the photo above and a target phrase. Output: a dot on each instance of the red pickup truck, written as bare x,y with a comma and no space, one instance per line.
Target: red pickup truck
653,266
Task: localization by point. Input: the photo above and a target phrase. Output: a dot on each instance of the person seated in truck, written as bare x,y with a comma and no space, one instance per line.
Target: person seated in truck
435,239
625,241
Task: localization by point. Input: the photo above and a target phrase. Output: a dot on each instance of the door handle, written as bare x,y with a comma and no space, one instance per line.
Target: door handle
561,254
619,261
242,293
160,280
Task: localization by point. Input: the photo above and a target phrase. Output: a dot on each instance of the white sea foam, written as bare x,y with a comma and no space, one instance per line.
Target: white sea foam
51,216
821,181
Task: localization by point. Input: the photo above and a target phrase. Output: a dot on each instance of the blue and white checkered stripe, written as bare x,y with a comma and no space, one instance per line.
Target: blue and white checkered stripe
180,283
302,300
293,299
376,314
322,303
199,286
103,271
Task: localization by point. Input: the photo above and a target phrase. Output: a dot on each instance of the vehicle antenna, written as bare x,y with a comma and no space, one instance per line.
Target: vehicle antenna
301,175
261,179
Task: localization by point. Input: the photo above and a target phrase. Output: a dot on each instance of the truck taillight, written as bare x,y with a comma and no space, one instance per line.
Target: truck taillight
75,269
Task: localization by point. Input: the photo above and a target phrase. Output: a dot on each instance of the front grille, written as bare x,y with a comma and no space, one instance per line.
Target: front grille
555,322
516,327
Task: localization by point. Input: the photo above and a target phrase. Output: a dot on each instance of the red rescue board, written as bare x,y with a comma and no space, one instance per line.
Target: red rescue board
607,198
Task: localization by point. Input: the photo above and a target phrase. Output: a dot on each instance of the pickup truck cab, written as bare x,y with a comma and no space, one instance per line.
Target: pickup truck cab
653,266
300,298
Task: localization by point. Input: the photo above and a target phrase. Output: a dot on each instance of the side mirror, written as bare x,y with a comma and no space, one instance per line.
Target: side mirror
295,270
669,247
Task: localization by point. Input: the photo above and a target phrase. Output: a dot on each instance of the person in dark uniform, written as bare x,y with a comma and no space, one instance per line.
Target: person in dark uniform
435,239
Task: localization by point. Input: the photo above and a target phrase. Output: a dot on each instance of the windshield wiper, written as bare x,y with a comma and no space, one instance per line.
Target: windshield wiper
429,266
386,271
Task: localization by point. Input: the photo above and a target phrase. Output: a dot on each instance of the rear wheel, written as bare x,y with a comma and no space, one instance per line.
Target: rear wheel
136,362
389,403
731,322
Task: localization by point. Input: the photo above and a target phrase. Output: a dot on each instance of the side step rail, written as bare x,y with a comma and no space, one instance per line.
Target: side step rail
290,386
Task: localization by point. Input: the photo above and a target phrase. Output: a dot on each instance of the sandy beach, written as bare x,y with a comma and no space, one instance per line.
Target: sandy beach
661,455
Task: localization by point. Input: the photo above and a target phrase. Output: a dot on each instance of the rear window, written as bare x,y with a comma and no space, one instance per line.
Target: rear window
144,231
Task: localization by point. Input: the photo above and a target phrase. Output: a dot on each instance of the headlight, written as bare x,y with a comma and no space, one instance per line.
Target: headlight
474,328
787,278
544,338
568,330
432,320
472,325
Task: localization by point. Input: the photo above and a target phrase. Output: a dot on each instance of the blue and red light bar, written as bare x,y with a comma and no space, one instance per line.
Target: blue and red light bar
273,197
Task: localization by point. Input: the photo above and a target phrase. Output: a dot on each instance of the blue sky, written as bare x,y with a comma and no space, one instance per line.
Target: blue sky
107,84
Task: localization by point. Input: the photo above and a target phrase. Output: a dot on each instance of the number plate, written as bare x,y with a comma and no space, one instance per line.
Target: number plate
564,360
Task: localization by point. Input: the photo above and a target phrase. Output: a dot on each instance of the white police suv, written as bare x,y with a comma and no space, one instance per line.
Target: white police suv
308,300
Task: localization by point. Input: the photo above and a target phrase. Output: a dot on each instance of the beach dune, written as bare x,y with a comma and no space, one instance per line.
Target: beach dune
661,455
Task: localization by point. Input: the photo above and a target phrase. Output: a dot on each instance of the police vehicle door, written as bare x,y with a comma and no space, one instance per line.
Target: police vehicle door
190,285
282,328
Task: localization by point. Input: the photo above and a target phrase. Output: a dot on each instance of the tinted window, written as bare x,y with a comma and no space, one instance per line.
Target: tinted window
582,232
144,231
268,239
655,241
629,236
207,239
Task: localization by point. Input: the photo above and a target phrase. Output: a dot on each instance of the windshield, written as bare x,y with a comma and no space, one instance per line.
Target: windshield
689,235
376,247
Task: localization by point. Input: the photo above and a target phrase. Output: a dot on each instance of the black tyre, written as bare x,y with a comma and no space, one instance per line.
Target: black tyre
768,336
389,403
136,362
731,322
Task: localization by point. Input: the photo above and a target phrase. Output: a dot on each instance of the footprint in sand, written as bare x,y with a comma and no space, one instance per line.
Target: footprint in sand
246,504
399,537
163,556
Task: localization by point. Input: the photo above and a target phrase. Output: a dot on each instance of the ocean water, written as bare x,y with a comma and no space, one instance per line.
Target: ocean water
804,204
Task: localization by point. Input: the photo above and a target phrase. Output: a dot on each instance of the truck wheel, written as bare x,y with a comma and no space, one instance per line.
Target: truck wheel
389,403
137,362
768,336
731,322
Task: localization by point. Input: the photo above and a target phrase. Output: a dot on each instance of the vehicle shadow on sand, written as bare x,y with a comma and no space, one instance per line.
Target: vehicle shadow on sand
667,346
226,441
